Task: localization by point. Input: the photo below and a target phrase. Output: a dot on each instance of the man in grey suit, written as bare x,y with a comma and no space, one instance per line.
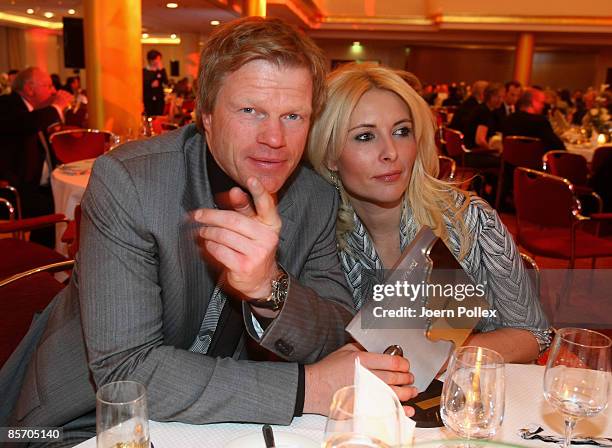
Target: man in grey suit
181,273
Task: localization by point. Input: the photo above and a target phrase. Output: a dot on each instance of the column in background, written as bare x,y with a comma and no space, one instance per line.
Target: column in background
112,32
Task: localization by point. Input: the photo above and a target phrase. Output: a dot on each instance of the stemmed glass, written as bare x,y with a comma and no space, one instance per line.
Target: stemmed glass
350,425
473,395
577,376
122,419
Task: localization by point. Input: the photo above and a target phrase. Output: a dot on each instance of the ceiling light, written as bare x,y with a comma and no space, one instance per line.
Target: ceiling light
215,22
145,35
173,36
30,11
171,5
356,48
48,15
71,11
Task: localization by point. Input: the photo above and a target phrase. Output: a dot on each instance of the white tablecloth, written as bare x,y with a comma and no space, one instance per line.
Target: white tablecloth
585,150
525,404
68,187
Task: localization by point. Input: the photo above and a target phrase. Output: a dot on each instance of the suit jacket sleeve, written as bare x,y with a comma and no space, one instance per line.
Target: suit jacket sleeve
310,326
550,139
123,320
20,122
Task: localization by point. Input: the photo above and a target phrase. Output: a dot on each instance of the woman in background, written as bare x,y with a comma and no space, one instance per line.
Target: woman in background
375,142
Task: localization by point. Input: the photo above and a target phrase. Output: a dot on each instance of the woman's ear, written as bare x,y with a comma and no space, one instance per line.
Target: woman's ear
332,165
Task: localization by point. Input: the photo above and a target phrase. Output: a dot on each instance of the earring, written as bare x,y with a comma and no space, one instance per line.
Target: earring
333,176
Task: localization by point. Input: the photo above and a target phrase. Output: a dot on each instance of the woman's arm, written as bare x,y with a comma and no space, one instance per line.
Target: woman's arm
514,344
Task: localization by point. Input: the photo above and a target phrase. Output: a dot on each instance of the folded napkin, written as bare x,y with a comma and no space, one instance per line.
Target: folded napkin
373,399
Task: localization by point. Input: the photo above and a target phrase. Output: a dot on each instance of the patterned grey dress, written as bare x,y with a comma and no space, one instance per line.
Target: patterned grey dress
493,260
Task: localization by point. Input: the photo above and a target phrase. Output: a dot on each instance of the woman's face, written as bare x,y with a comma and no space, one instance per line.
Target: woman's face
376,162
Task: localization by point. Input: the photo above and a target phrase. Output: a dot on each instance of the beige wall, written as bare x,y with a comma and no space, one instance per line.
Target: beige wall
386,52
573,69
20,48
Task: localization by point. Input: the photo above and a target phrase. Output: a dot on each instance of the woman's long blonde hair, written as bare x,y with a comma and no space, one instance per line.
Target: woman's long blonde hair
429,198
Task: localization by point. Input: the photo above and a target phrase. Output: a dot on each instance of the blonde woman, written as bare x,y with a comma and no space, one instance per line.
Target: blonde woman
375,142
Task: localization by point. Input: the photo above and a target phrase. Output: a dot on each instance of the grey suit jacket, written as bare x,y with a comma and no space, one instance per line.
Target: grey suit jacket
140,289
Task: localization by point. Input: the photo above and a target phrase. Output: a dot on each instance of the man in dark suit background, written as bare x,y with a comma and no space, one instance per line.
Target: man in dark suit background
25,115
464,113
511,96
529,121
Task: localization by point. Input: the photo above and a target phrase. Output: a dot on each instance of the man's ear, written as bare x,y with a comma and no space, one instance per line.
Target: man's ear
207,124
207,121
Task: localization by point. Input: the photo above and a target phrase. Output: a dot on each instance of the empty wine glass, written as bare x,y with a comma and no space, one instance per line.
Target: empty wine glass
577,376
473,396
350,425
122,419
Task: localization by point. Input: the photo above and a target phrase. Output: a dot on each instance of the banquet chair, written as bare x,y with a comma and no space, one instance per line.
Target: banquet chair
601,175
17,254
518,151
188,106
549,222
22,296
573,167
447,168
533,271
78,144
11,194
161,125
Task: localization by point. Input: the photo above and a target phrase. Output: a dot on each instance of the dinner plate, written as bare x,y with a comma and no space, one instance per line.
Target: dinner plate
281,439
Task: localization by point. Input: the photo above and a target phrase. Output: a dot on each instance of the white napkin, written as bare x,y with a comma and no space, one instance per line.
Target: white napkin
374,398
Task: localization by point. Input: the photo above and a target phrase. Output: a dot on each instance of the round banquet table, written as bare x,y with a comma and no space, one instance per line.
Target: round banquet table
525,405
68,186
586,150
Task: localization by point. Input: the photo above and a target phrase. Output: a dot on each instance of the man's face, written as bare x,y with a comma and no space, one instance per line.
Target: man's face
260,122
538,101
496,99
39,90
512,95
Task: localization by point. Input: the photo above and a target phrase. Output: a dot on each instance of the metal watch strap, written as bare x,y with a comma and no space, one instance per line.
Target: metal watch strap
280,289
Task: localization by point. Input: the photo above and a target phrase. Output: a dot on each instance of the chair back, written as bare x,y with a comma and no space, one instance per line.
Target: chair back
188,106
602,159
543,200
21,297
79,144
453,141
447,168
523,151
572,167
533,270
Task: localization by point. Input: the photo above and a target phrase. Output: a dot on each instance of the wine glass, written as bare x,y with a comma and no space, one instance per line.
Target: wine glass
352,424
473,395
122,419
577,376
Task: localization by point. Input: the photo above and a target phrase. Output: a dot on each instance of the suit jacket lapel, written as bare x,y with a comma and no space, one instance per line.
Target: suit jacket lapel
199,278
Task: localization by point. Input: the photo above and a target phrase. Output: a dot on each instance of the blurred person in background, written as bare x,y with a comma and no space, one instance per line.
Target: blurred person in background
25,159
464,113
57,82
511,95
154,78
485,122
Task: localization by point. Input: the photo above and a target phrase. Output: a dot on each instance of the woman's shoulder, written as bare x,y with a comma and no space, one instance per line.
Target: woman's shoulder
477,213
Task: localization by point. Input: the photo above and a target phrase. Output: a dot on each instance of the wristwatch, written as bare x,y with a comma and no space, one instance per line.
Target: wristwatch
280,288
